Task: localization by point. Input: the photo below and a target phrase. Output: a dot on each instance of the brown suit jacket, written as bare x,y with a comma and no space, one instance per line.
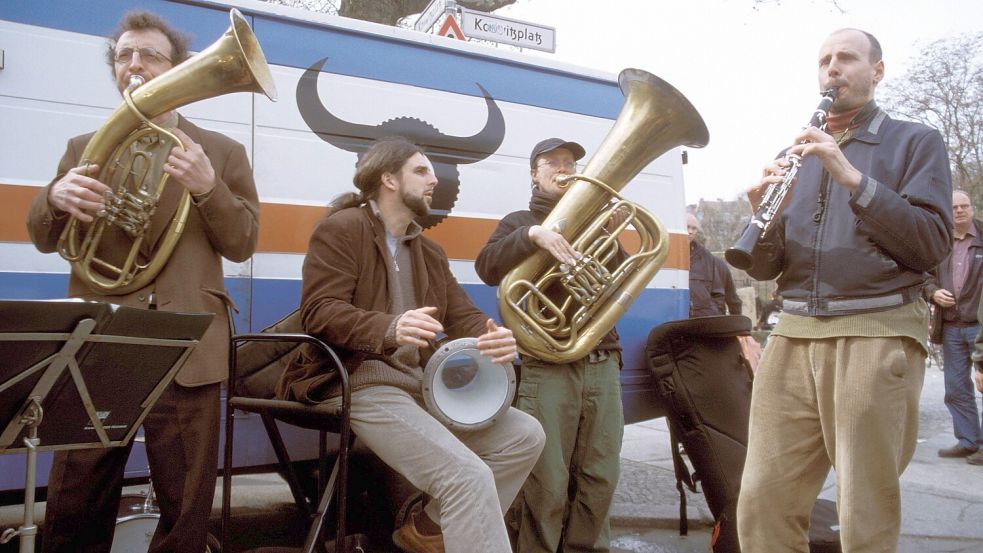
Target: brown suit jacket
225,224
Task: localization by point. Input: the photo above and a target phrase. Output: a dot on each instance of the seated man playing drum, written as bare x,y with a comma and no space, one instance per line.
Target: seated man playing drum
382,293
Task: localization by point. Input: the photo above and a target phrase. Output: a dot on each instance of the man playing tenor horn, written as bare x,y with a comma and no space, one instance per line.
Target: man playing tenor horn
182,429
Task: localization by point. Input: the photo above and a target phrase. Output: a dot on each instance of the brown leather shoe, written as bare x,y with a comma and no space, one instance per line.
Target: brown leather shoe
410,540
955,451
976,458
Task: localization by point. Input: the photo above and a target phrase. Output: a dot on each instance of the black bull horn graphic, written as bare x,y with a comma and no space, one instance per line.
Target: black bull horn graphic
446,152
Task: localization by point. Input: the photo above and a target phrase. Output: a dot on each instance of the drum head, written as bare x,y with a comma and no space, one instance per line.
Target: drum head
134,532
464,389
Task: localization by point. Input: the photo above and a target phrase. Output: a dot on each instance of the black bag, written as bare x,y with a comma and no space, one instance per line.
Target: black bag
261,364
704,384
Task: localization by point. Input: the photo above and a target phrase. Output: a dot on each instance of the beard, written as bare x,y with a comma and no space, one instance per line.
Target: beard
417,204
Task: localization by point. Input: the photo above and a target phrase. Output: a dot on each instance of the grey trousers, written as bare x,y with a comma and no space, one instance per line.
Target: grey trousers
472,477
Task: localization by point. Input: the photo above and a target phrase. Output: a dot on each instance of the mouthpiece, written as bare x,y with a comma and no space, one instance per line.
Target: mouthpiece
135,81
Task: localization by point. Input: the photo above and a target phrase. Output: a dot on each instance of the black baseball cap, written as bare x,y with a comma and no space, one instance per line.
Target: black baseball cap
551,144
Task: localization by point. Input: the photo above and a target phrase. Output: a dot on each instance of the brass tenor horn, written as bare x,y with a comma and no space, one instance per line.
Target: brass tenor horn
561,313
233,63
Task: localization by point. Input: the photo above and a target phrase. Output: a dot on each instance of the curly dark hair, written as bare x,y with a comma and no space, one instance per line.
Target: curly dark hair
141,20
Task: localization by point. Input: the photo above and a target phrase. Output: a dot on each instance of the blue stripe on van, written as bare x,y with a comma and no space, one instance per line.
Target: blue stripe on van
353,53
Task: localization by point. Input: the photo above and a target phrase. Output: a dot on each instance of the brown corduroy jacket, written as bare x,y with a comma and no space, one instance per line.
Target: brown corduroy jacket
345,300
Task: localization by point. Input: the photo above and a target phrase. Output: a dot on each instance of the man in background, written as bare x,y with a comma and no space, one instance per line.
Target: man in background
955,289
711,286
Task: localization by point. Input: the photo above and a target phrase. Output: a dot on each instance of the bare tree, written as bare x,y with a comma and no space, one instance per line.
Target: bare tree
387,12
721,222
943,88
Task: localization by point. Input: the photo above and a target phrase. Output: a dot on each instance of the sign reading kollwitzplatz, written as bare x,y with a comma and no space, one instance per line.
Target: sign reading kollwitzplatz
509,31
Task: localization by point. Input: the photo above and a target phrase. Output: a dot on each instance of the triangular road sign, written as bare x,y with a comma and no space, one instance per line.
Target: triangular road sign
451,29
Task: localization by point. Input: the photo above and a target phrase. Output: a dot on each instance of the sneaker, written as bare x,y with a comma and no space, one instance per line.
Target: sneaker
976,458
957,450
408,539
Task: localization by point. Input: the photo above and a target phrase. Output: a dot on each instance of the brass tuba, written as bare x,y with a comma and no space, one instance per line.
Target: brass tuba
233,63
560,313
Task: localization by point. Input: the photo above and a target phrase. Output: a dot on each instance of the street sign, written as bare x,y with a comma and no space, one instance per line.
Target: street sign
508,31
429,16
451,29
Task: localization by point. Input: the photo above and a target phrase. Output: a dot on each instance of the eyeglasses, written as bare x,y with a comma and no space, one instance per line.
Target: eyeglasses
124,55
554,164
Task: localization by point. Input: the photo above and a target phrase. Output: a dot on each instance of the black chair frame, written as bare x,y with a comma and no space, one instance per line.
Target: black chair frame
322,418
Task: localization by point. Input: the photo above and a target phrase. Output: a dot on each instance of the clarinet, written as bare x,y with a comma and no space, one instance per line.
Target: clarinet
740,255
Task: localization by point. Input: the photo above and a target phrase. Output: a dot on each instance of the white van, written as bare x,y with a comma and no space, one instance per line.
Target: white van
476,109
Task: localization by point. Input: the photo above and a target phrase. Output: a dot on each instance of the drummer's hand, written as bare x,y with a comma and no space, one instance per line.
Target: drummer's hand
498,343
417,327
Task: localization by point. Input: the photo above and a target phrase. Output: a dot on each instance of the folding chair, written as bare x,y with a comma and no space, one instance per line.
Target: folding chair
249,354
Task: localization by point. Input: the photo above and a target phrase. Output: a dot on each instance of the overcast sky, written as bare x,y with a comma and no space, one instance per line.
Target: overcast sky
749,68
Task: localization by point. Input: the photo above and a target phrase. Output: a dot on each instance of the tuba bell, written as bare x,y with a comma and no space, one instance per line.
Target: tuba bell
560,313
233,63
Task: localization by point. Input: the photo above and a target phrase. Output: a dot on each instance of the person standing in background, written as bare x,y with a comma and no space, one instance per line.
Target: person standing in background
711,286
955,289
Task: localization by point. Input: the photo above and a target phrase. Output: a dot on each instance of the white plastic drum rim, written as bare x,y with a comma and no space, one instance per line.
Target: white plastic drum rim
503,396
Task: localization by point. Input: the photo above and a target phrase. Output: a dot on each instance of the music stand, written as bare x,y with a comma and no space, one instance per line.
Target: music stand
98,367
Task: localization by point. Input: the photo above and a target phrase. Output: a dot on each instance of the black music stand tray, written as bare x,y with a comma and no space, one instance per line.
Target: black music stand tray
95,367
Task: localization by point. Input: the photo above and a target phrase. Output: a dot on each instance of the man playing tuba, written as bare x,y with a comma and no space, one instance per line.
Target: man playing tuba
578,403
182,429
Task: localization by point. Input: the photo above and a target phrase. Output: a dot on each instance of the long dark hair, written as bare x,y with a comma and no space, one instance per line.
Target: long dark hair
386,155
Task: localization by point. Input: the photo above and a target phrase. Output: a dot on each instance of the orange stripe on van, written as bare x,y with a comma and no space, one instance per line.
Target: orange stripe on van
15,202
286,228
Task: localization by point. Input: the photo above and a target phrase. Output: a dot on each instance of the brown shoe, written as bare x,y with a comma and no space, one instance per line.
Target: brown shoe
976,458
957,450
410,540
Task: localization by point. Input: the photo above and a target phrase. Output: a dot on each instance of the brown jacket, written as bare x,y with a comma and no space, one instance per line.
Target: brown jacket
225,224
345,299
